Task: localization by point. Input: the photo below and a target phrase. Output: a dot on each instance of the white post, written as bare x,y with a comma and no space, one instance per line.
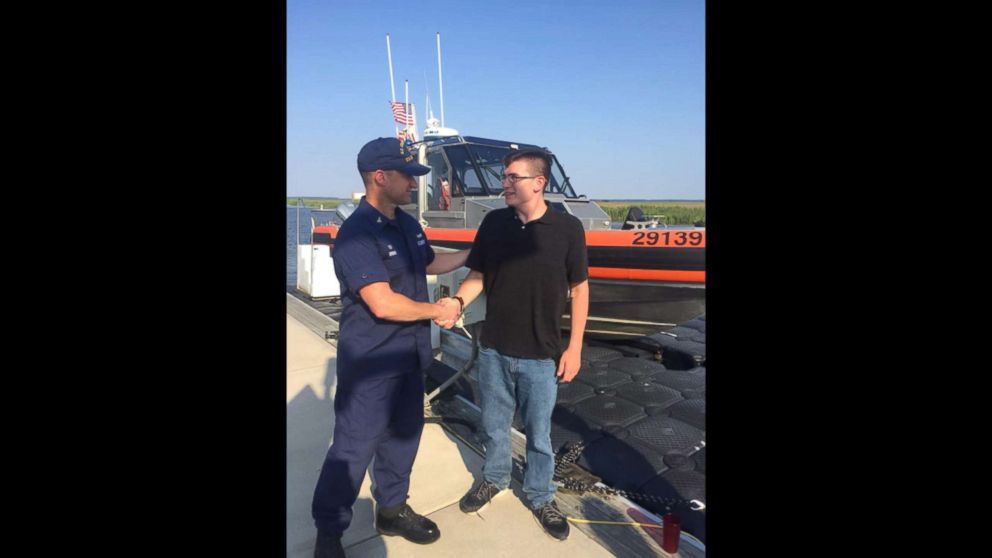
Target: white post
406,107
440,87
413,119
392,87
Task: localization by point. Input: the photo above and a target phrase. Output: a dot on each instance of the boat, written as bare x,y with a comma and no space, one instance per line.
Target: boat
641,281
644,277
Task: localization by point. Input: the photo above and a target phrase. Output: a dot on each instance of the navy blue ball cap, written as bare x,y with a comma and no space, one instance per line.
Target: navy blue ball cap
388,154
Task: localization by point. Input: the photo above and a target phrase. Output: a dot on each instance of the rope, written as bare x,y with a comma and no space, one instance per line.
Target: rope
564,460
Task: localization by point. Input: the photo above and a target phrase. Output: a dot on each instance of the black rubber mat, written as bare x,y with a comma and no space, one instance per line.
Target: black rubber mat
690,411
573,392
567,426
678,379
633,351
694,393
606,410
685,485
649,394
680,461
688,334
636,366
625,464
684,354
666,434
593,354
700,458
593,365
602,377
682,347
699,324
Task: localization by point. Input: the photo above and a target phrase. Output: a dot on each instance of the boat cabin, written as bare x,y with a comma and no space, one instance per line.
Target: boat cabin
464,184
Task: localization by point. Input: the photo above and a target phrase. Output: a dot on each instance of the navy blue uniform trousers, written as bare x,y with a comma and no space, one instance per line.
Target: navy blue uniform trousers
380,417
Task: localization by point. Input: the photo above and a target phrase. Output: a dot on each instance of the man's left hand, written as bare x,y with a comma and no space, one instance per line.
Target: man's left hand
568,366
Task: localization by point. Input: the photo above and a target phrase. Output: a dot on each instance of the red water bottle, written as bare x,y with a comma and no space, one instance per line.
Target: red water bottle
670,532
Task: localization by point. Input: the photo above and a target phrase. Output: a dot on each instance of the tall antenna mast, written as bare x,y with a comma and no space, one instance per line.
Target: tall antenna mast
392,87
428,114
440,87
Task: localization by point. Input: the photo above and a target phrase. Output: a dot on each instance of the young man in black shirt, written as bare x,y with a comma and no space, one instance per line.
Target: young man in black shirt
526,257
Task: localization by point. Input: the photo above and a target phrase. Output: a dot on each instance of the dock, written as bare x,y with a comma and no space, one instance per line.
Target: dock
448,463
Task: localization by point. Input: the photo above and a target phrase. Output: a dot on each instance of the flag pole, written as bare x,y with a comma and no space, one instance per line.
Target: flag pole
392,87
406,107
440,86
427,101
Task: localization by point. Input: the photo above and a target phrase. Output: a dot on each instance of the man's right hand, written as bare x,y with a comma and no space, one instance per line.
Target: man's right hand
450,310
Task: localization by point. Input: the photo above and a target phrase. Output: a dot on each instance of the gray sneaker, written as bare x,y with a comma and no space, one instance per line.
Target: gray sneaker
478,496
553,521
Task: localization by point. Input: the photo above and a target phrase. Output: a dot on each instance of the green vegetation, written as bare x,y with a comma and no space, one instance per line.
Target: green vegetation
676,213
328,203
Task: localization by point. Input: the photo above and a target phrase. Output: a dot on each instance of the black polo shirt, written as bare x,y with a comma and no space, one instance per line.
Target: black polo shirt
527,269
369,248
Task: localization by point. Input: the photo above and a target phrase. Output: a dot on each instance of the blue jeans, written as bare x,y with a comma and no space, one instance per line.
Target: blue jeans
505,382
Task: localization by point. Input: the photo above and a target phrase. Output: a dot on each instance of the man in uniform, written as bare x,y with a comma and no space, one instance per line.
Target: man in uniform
381,257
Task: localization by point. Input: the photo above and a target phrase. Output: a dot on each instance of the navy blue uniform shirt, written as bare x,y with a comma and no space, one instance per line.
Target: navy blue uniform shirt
371,248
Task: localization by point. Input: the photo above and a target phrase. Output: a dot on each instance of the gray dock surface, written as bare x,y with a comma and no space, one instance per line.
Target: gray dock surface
446,467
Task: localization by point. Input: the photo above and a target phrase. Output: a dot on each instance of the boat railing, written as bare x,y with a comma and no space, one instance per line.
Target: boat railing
321,217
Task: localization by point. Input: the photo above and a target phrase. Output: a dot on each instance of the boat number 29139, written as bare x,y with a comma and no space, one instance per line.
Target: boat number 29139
676,238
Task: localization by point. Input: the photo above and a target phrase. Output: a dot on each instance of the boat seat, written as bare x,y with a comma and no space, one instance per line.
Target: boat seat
634,215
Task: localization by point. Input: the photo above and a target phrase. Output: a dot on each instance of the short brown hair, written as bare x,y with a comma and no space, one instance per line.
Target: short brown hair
541,157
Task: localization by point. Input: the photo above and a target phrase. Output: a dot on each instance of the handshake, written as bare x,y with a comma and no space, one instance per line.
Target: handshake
450,309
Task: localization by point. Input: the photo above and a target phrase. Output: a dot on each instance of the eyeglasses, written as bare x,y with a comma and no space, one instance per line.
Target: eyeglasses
513,178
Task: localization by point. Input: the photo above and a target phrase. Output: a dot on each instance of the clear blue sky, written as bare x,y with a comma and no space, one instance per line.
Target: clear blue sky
615,90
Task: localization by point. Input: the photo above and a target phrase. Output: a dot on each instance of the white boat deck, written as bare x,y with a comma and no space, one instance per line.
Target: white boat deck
445,468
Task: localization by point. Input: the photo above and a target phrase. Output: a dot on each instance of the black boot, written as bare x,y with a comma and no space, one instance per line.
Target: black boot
328,546
553,521
478,496
407,524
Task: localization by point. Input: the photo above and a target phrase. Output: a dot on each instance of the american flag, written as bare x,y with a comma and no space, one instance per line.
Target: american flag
401,115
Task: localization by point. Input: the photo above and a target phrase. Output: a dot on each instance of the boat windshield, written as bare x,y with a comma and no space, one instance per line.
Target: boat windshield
559,183
489,161
465,174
